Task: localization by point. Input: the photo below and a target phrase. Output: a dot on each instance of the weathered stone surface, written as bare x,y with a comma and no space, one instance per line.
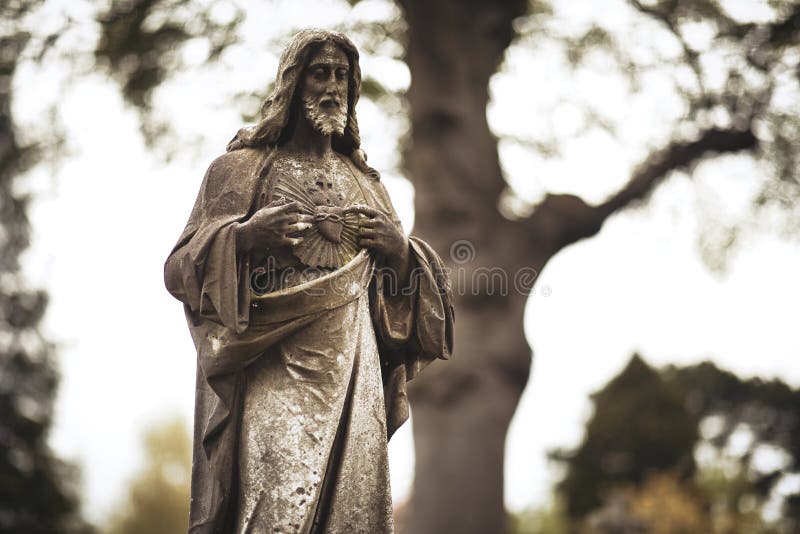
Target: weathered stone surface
290,270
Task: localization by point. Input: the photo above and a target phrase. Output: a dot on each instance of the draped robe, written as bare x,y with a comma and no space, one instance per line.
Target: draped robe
307,451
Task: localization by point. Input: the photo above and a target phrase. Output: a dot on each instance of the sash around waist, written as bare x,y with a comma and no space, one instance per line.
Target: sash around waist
327,292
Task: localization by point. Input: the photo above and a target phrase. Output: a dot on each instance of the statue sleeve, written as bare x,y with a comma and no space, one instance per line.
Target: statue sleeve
414,324
417,320
204,270
414,327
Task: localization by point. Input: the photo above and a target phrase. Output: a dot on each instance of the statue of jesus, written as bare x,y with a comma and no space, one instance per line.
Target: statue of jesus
310,310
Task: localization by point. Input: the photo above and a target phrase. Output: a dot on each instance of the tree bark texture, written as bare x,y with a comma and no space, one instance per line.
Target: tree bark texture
462,409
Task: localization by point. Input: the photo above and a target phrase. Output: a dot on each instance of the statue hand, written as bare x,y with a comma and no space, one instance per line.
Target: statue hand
377,232
272,226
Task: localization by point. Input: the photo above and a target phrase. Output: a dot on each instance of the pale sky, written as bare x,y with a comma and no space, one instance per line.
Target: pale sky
104,223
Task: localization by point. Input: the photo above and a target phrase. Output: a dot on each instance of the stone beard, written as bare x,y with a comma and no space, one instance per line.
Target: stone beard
300,387
325,122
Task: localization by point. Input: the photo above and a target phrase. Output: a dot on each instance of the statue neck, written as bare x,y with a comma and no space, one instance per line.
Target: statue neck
306,139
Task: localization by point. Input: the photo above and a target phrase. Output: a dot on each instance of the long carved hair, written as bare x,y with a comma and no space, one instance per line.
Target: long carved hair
276,110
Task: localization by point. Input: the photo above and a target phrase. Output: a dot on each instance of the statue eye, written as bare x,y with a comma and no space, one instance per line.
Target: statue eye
341,74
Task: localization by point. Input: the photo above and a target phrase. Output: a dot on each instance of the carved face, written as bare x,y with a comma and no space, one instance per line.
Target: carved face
323,89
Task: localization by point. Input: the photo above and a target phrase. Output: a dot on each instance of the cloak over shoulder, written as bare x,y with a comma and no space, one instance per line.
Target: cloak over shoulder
207,274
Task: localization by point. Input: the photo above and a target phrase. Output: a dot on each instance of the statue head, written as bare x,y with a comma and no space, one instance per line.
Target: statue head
323,90
302,64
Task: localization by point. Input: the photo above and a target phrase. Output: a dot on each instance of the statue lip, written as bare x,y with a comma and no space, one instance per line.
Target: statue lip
329,103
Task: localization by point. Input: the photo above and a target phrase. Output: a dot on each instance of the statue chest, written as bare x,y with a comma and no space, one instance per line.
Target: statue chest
324,192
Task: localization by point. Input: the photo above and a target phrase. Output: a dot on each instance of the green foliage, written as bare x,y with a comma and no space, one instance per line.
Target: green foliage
768,409
639,447
639,425
730,65
140,40
372,88
158,498
730,496
37,490
668,504
550,519
594,37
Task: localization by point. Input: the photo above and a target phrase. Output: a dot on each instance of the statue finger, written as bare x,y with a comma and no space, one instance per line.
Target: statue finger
296,227
281,219
288,218
368,223
368,233
292,217
361,209
368,243
289,207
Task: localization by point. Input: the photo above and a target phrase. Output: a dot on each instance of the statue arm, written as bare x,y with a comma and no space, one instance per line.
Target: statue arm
412,329
417,317
205,270
412,304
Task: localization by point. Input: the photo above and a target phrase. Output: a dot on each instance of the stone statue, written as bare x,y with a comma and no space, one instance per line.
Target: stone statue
310,310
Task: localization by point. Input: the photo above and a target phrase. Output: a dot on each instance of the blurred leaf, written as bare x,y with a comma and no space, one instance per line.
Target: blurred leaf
641,440
596,37
158,498
549,519
38,491
140,43
638,425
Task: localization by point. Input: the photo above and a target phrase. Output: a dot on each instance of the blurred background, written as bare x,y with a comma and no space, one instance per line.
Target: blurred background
614,184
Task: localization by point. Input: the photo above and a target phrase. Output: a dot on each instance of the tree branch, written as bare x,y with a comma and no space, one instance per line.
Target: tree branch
691,56
569,218
676,156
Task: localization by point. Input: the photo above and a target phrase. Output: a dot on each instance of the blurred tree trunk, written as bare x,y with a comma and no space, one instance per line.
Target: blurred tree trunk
462,409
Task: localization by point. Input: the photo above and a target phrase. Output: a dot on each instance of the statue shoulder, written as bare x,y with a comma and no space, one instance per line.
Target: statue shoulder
358,159
233,170
236,161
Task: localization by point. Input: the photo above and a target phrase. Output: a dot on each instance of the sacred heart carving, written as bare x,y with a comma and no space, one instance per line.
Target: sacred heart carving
333,239
330,222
